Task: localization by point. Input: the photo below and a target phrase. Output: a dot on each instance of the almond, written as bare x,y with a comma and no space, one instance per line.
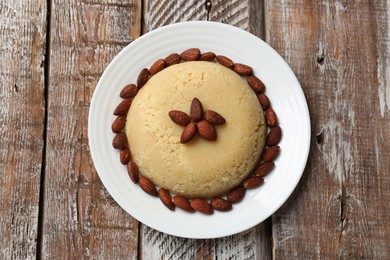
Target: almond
118,124
252,182
172,59
157,66
123,107
242,69
132,170
264,101
270,153
255,83
190,54
214,118
207,56
147,185
179,117
129,91
143,77
264,168
220,204
270,117
188,133
182,203
236,194
166,198
119,141
125,155
202,206
225,61
274,136
196,111
207,130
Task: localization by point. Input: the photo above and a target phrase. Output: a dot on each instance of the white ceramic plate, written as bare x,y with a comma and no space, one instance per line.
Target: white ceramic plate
286,97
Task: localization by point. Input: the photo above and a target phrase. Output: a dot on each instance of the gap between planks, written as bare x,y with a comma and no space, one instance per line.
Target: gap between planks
41,204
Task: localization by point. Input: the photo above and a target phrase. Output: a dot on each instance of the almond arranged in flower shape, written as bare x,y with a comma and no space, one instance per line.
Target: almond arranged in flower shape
214,118
179,117
188,133
196,111
207,130
198,121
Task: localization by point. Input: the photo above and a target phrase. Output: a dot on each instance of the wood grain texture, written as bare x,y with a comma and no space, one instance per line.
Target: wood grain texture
80,218
160,13
251,244
247,15
22,83
339,51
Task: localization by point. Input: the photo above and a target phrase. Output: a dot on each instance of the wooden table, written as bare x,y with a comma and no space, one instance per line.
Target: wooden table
53,205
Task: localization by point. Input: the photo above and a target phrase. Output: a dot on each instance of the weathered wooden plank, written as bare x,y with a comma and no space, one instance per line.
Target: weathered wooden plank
22,83
339,51
253,243
81,219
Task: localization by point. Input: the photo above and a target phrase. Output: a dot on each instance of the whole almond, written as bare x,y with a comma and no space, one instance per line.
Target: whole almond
182,203
253,182
129,91
190,54
123,107
188,133
207,130
270,153
242,69
220,204
214,118
172,59
264,101
125,155
274,136
157,66
147,185
118,124
270,117
179,117
143,77
132,170
207,56
264,168
255,83
166,198
224,61
236,194
196,111
202,206
119,141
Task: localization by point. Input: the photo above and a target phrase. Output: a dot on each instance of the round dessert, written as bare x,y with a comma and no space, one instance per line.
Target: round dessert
199,168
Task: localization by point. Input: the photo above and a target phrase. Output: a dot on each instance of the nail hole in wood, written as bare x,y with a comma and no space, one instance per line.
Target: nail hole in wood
320,138
16,88
321,58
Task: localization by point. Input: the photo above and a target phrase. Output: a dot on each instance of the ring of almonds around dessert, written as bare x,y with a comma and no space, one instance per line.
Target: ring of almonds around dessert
197,130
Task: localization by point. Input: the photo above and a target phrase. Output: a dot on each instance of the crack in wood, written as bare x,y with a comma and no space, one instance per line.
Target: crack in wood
46,71
208,5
